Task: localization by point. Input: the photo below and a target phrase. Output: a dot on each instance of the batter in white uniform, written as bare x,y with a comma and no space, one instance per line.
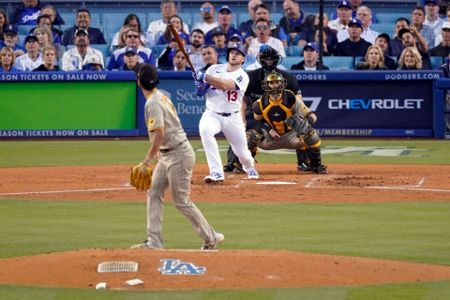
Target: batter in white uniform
224,87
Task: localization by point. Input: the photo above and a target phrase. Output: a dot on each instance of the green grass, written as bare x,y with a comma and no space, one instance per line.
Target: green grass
400,231
94,152
419,291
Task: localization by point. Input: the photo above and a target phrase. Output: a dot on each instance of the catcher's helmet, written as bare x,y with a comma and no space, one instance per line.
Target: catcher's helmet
237,47
268,57
274,84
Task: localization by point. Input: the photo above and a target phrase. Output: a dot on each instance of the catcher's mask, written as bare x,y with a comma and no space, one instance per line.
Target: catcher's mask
274,84
268,58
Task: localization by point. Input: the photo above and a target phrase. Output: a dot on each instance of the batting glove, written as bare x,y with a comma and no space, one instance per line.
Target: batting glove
199,75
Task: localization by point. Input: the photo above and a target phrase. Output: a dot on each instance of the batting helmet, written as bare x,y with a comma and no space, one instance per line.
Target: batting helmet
148,77
268,57
237,47
274,84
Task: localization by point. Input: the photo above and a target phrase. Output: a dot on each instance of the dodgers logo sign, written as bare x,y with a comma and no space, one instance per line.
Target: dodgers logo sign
178,267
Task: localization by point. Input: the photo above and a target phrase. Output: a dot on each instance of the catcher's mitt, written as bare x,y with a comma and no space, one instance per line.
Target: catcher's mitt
299,124
141,176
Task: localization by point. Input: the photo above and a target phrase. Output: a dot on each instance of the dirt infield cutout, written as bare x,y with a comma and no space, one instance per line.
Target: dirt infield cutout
225,269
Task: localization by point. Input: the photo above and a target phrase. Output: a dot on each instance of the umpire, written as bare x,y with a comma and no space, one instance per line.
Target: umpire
269,59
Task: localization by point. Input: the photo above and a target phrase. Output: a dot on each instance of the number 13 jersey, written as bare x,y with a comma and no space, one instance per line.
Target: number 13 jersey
226,101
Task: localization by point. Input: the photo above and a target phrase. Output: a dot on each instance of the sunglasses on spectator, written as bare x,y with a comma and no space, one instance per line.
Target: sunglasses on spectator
205,9
263,27
132,36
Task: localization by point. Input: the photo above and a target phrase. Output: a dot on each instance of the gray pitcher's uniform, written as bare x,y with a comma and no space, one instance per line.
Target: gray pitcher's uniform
173,170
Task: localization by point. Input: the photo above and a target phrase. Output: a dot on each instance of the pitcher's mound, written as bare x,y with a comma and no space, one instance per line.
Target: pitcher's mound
226,269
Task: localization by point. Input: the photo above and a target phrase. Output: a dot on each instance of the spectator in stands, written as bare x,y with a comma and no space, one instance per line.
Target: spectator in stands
33,58
443,49
7,58
262,11
412,38
448,13
382,41
292,21
28,13
329,41
344,16
247,26
44,36
179,62
310,60
262,31
354,45
235,39
75,58
83,20
157,27
11,36
410,59
45,20
197,40
432,17
395,44
93,64
133,21
208,22
374,60
3,22
132,40
417,20
224,19
49,60
364,14
210,56
167,36
219,43
50,10
131,60
445,67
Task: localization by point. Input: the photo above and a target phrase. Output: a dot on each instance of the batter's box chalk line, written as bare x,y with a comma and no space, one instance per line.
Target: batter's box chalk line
117,266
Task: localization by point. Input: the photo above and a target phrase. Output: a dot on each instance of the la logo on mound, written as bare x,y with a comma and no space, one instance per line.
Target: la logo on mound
178,267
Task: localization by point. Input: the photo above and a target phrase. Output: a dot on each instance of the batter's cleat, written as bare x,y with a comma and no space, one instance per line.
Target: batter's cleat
303,168
252,174
321,169
237,168
144,245
218,238
214,178
228,168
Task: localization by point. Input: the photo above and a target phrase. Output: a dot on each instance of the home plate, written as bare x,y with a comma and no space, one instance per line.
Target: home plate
276,182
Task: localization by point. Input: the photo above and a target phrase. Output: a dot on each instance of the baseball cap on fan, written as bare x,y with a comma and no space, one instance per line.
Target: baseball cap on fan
131,50
31,37
344,3
446,26
10,28
80,30
432,2
225,8
312,46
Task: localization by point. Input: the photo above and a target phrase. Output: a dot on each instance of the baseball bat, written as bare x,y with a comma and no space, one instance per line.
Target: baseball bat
180,45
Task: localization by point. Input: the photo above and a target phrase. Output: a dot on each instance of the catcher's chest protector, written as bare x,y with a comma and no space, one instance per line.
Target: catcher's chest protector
275,112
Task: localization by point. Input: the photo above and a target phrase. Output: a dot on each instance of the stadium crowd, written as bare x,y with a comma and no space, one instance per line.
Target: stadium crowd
415,39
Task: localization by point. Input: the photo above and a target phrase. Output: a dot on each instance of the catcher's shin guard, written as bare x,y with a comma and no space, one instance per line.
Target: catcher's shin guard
231,159
315,158
302,160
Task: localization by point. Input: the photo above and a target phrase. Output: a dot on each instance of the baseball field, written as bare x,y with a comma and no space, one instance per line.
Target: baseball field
376,227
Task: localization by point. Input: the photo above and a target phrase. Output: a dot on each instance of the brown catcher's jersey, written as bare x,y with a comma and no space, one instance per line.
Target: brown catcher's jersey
275,112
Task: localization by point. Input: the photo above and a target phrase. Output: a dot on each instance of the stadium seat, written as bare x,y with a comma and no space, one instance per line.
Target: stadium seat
436,62
187,19
288,61
24,29
158,49
390,17
384,28
103,48
339,62
294,50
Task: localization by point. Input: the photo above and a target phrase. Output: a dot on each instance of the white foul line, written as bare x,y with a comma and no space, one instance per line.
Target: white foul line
68,191
411,188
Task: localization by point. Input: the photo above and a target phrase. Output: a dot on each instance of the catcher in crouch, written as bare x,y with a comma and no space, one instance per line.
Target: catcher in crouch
284,123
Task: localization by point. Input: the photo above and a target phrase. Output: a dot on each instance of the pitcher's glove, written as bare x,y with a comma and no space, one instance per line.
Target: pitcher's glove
141,176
